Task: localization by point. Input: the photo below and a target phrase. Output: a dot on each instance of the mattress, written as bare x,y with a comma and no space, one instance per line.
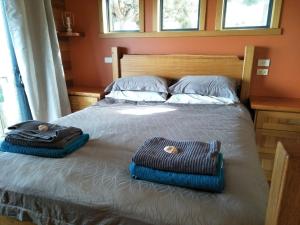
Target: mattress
93,185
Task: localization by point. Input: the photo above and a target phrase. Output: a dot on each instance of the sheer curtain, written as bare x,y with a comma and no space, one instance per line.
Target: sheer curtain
14,106
34,40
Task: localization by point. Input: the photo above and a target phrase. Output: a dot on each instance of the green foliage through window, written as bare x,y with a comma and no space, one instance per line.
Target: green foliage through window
250,2
1,95
179,14
246,2
123,15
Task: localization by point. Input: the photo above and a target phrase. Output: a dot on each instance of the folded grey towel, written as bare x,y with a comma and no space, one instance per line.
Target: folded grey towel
193,156
28,134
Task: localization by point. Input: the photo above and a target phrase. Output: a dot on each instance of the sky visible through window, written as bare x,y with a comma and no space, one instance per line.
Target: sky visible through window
180,14
246,13
123,15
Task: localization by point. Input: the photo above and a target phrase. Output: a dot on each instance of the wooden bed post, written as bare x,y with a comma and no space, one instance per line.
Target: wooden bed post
284,198
116,62
247,72
12,221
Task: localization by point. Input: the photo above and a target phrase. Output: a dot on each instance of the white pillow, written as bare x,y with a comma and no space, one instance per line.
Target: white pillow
138,96
139,83
214,86
198,99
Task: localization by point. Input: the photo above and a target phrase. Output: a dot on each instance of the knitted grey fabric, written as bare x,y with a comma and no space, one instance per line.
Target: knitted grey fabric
193,156
28,134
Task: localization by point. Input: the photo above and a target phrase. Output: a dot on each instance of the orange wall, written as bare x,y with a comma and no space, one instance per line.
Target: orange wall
87,54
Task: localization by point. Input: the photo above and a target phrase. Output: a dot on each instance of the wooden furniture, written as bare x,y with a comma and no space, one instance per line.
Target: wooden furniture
11,221
284,197
59,6
276,119
67,34
82,97
176,66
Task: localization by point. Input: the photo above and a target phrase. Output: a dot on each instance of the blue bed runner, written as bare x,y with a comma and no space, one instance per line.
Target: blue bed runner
195,181
45,152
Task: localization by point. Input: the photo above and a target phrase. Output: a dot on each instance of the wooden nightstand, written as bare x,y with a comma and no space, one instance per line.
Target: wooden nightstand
82,97
276,119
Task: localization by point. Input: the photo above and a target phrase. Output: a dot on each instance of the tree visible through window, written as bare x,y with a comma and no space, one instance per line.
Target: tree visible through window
123,15
179,14
247,14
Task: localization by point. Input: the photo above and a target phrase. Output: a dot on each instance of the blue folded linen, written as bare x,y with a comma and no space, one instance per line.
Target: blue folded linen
195,181
45,152
193,156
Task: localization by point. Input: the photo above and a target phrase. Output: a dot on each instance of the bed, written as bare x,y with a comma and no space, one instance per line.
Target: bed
93,185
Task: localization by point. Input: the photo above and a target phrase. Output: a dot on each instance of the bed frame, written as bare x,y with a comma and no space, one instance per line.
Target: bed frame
176,66
284,198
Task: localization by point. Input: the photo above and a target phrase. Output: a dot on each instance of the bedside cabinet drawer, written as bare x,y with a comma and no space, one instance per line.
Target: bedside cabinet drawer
284,121
81,102
266,141
267,163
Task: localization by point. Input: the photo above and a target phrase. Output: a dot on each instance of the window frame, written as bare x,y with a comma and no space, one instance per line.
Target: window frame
161,5
273,17
218,32
157,18
105,20
269,17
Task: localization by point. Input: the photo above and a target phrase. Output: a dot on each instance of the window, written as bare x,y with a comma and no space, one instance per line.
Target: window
180,15
248,14
122,15
185,18
239,14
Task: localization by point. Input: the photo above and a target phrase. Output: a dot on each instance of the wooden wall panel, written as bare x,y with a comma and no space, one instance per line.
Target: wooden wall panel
58,7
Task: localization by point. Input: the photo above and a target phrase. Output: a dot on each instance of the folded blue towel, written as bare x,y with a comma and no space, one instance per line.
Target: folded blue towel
195,181
45,152
193,156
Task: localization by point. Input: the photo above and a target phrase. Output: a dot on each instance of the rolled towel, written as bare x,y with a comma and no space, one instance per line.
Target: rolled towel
203,182
34,133
45,152
192,157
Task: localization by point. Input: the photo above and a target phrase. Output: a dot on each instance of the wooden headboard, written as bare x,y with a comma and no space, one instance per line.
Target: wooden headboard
177,66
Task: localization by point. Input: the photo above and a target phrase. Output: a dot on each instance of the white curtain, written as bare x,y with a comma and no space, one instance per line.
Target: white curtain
14,106
33,33
9,109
